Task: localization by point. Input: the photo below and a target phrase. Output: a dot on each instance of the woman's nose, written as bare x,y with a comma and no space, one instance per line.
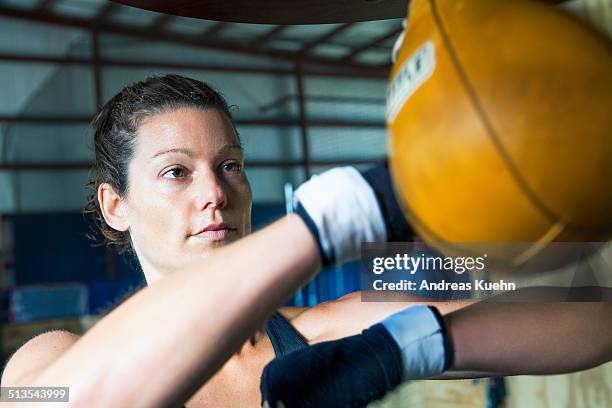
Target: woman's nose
210,192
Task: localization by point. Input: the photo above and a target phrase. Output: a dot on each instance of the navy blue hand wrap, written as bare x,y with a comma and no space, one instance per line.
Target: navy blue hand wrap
350,372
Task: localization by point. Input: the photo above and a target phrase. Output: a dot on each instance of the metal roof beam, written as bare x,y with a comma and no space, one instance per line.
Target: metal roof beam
104,14
324,38
191,40
391,34
54,59
161,22
283,121
215,30
44,6
62,166
264,38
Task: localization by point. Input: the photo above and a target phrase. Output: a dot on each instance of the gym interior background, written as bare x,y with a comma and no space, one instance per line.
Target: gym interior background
306,98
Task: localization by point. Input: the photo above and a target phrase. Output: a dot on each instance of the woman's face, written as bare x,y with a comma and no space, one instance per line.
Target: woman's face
187,193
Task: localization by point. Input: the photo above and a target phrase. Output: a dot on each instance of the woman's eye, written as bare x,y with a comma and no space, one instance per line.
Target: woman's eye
231,167
174,173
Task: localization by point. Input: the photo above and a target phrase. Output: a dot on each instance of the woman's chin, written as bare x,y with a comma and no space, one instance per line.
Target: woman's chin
203,244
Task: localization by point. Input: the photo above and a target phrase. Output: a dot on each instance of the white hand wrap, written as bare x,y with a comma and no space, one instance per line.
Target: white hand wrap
344,209
420,337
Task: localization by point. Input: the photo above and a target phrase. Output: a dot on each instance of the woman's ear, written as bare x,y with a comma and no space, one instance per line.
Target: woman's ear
113,207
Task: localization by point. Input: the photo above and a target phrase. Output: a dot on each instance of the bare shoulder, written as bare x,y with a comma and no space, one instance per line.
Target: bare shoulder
291,312
323,321
35,355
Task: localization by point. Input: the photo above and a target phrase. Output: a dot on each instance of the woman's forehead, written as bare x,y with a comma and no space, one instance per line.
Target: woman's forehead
186,128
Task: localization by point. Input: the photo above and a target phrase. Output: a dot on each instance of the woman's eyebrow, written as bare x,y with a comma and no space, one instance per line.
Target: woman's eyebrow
191,154
230,146
187,152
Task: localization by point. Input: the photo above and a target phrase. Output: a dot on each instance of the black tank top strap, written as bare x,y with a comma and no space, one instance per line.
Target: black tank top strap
284,337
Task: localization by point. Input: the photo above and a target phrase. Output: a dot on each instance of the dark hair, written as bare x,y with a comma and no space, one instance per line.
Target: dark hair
115,128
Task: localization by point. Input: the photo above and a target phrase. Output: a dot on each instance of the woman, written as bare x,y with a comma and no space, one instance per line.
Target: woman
169,183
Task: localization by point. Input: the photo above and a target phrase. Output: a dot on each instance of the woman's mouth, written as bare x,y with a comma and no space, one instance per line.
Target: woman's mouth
216,235
215,232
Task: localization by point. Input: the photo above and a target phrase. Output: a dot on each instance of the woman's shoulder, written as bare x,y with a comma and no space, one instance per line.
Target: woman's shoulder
292,312
36,354
314,322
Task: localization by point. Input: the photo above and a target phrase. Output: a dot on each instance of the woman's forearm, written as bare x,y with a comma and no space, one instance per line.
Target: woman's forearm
530,338
164,342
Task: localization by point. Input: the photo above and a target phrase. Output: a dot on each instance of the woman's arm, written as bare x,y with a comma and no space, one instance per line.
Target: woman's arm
489,337
158,347
507,338
350,315
530,338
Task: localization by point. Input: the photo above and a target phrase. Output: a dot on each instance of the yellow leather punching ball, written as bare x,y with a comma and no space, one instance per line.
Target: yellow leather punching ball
500,123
